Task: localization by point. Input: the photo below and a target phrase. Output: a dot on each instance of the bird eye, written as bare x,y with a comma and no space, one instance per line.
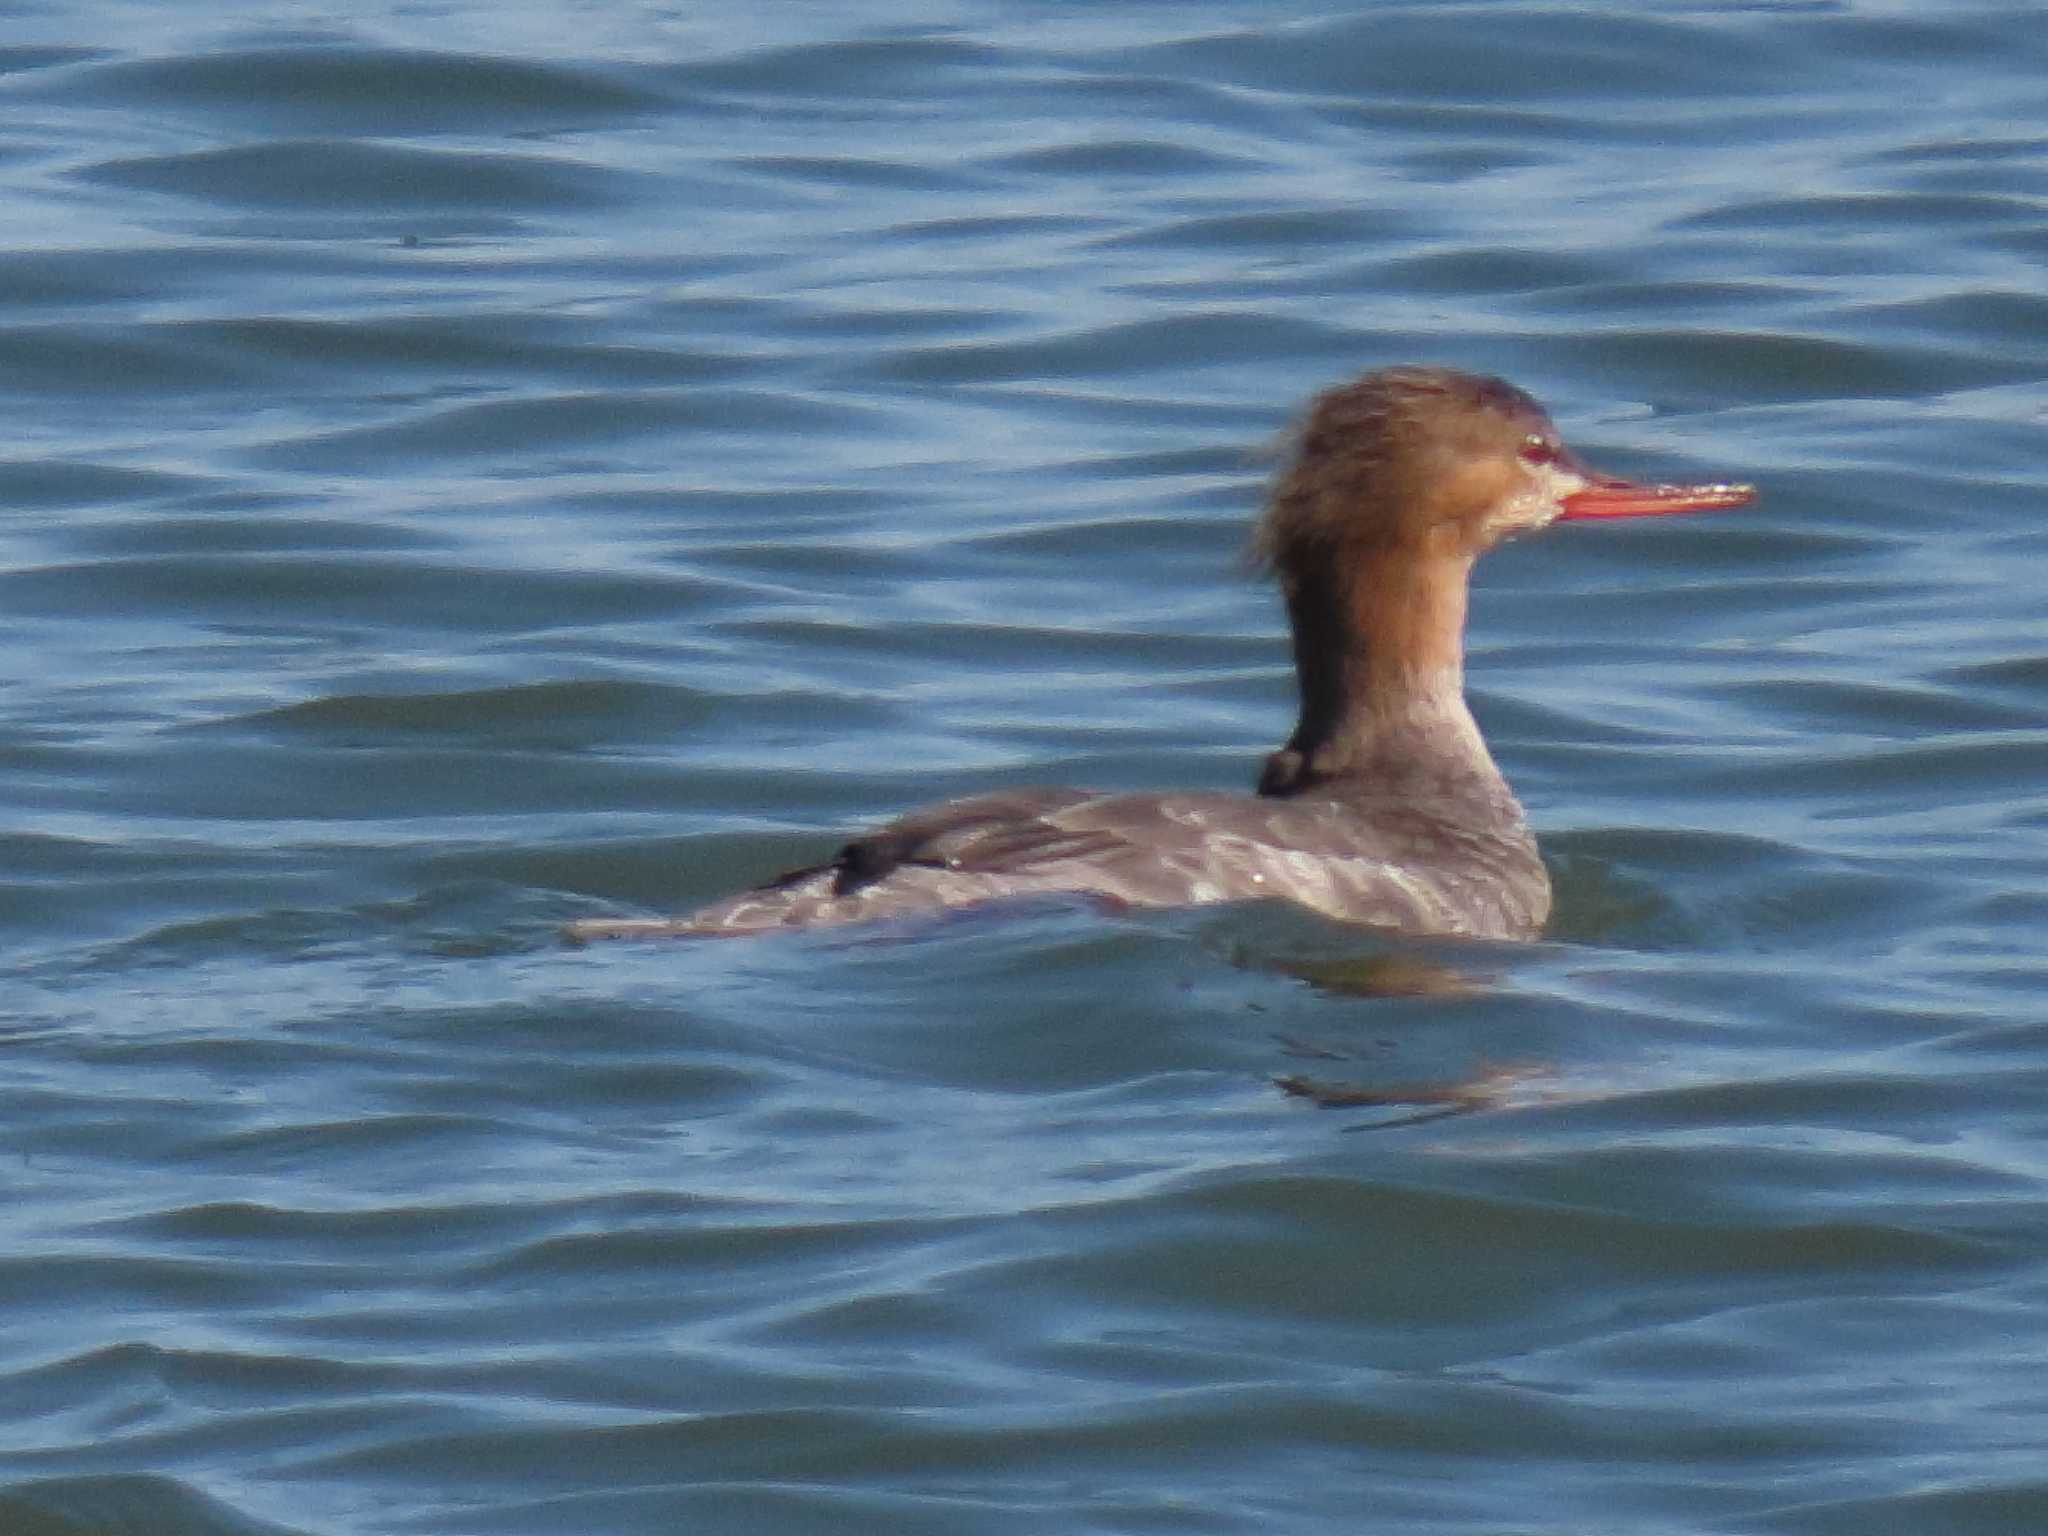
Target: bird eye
1538,450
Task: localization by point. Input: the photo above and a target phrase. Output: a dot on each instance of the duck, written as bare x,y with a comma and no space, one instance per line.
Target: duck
1384,807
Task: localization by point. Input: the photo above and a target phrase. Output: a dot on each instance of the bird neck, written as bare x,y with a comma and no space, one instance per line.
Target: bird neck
1379,652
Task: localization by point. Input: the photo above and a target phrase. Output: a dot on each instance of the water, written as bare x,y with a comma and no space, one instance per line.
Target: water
472,468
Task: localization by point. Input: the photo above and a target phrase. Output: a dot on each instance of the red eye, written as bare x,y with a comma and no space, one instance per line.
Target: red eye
1538,450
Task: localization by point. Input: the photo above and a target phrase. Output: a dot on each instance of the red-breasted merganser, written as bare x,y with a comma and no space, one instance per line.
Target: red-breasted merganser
1384,807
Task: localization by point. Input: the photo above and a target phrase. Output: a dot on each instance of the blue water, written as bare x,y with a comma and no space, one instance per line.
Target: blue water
468,468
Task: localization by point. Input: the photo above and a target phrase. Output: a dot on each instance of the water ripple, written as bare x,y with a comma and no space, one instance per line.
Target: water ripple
454,491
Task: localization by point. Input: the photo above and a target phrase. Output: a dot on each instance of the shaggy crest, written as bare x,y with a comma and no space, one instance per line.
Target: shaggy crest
1367,445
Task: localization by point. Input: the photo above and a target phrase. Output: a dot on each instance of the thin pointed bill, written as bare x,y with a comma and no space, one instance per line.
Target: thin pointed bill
1610,496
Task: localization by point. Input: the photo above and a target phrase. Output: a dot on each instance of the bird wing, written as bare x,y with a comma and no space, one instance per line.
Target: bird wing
1009,830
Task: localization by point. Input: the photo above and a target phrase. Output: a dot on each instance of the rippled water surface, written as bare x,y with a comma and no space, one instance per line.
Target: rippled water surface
468,469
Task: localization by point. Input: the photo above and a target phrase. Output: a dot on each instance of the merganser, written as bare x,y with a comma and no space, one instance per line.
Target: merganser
1384,807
